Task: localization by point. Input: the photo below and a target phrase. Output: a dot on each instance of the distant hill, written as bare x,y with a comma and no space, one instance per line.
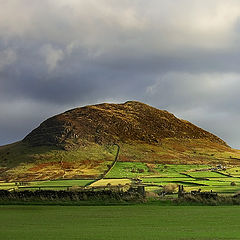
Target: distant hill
79,143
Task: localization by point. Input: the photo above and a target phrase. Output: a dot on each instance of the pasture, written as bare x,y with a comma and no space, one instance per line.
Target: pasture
138,222
153,176
192,177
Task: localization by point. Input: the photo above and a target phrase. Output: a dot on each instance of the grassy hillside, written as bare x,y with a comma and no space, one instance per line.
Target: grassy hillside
21,162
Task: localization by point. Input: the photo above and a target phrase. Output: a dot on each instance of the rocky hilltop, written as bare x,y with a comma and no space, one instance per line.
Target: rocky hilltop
114,123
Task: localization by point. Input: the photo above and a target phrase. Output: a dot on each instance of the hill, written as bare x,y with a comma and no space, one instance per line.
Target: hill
112,123
79,143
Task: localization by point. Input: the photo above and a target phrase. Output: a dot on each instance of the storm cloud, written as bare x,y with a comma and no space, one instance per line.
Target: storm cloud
182,56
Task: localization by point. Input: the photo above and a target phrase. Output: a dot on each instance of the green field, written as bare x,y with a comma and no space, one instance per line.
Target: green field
138,222
140,169
192,177
154,176
128,170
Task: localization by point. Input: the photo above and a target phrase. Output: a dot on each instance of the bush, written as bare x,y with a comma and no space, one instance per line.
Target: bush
170,188
217,201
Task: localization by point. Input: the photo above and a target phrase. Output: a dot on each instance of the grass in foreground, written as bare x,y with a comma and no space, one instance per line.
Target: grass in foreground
119,222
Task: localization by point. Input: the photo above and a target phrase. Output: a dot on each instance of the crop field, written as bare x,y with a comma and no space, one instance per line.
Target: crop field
138,222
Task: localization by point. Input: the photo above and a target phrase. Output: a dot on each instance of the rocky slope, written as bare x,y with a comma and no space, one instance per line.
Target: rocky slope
114,123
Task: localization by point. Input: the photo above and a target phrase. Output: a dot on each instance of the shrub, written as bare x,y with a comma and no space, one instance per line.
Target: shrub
170,188
219,200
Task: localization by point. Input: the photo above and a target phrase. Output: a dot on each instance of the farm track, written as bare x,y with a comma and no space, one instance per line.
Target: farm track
114,162
110,168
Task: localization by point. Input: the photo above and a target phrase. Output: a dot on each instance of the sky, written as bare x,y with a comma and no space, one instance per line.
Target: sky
178,55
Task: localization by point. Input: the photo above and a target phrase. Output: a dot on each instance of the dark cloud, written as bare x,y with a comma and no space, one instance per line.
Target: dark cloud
57,54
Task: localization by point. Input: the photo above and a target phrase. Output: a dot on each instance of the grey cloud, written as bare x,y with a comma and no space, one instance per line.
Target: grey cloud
209,100
63,54
7,57
197,88
52,56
